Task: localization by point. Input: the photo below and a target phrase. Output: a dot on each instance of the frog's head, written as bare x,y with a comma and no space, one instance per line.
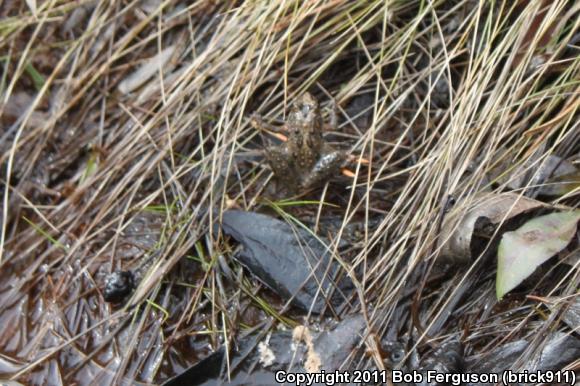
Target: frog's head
304,113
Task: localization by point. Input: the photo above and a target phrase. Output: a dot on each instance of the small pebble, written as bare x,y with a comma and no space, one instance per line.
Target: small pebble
118,285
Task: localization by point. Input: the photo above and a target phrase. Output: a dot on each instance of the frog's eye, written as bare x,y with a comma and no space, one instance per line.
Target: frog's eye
305,110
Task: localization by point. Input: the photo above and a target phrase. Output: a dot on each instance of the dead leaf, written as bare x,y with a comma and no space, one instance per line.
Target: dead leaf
17,106
534,172
459,224
571,309
290,261
77,16
522,251
572,314
573,259
146,71
560,185
32,5
150,6
299,351
557,351
155,87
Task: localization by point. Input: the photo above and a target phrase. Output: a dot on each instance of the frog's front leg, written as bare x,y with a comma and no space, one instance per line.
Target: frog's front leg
327,166
258,123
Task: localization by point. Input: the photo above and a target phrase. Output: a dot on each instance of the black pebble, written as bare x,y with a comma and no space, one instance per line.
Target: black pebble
118,285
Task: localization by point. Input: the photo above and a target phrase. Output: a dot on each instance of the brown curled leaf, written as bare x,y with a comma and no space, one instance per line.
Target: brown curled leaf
459,225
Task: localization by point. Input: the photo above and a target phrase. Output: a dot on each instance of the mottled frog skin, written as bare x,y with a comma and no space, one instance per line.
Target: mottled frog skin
305,161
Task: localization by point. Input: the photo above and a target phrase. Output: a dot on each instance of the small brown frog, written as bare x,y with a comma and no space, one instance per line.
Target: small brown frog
305,160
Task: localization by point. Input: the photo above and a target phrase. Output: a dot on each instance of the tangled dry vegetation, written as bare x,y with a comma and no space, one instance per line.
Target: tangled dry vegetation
126,133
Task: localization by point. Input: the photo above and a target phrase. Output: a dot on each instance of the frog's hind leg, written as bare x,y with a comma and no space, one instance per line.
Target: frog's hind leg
277,158
326,167
281,163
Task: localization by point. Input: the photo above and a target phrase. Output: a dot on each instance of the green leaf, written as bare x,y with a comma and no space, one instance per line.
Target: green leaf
91,167
37,78
522,251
